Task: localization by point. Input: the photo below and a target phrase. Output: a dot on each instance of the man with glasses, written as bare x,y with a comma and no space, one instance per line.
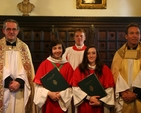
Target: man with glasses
16,72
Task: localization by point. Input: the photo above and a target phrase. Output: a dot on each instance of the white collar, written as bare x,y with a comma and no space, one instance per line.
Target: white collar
79,47
61,61
91,67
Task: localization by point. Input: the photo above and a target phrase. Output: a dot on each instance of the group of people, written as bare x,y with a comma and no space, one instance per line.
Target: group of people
21,90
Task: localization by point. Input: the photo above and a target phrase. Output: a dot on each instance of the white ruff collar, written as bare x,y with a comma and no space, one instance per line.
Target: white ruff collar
79,47
61,61
91,67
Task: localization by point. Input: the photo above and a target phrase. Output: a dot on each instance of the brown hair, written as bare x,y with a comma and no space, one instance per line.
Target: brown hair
133,24
10,20
84,65
80,30
54,42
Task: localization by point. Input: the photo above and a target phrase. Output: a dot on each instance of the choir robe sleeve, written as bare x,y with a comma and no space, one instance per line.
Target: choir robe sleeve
66,95
42,70
78,94
22,75
109,99
107,81
40,95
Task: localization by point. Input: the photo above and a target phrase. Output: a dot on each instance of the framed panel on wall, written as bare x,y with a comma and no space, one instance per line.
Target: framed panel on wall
91,4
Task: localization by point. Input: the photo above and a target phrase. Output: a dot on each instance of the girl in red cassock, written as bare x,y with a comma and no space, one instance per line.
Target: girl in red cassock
49,101
91,63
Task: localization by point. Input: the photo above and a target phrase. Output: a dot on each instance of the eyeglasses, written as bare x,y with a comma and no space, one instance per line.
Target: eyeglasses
13,29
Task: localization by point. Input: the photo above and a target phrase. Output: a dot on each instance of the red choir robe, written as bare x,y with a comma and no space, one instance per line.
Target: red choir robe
106,80
66,70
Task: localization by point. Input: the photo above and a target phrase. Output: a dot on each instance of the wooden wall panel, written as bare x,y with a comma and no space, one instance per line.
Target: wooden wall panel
108,39
107,33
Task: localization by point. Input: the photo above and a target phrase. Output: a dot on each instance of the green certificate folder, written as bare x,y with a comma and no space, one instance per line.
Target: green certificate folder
54,81
92,86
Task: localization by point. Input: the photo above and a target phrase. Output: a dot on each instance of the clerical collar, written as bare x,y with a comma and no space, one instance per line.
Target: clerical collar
79,47
134,48
11,44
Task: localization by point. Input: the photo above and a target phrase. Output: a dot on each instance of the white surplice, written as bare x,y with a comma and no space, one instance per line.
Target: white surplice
15,102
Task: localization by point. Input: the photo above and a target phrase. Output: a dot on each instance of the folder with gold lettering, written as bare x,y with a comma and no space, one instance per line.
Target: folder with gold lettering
54,81
92,86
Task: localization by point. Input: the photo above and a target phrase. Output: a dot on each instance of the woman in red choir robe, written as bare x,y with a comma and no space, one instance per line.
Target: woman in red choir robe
48,101
91,63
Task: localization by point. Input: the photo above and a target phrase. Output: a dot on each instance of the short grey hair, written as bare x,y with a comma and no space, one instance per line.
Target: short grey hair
10,20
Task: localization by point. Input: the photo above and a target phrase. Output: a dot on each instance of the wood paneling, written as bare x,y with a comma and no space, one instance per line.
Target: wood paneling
107,33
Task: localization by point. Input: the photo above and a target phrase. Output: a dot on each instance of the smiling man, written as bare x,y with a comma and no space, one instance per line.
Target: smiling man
16,72
126,68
